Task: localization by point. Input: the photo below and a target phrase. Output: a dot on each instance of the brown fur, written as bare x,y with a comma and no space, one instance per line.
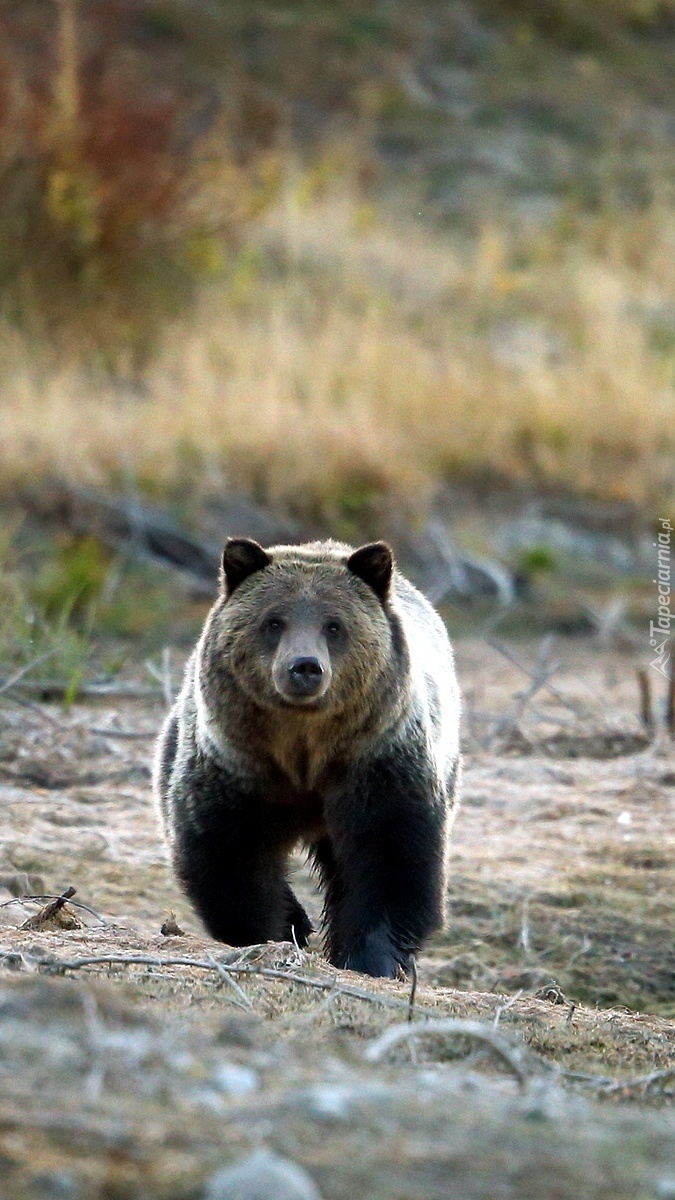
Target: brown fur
303,717
309,747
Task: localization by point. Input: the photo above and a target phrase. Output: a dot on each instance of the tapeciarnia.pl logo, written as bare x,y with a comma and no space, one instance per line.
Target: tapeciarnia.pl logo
659,630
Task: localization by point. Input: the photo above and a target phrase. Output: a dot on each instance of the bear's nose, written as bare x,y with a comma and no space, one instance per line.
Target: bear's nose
305,675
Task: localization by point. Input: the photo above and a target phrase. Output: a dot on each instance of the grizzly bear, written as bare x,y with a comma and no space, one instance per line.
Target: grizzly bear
320,707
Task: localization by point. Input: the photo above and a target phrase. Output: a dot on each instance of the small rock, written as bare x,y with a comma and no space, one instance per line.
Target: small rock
328,1102
235,1080
261,1176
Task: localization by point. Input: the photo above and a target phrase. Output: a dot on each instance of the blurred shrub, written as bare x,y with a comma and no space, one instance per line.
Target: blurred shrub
34,642
127,170
72,580
64,597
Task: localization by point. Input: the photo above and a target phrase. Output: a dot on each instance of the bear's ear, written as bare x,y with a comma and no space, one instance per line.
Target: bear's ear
241,557
374,564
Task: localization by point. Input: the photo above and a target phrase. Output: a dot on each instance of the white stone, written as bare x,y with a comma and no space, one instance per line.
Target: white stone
235,1080
261,1176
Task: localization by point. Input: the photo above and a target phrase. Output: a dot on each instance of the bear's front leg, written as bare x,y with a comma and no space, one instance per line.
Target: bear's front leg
384,863
239,889
229,855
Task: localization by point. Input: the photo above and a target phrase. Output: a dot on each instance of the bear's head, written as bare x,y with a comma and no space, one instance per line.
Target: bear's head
302,627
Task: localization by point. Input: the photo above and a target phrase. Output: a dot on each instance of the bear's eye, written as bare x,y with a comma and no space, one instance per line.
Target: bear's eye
274,624
333,628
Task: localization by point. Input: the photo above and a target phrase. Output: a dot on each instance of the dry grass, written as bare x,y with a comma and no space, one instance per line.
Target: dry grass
343,355
346,357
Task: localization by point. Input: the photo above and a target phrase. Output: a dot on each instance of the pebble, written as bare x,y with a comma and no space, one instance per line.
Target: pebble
235,1080
261,1176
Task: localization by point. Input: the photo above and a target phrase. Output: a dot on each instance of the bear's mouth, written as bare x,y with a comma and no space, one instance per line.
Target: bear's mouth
301,703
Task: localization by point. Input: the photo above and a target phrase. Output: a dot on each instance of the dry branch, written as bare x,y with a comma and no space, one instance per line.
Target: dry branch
540,678
163,675
56,689
500,1046
114,1134
43,778
54,966
100,731
533,674
23,671
43,714
641,1083
630,1088
229,979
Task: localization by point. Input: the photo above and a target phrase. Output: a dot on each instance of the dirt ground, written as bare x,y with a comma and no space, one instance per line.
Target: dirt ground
123,1079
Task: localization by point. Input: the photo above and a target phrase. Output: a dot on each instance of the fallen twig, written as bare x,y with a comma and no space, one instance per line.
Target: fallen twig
36,776
300,953
229,979
23,671
42,713
540,678
111,1133
609,625
607,1086
54,966
507,1053
142,533
58,902
524,935
58,688
502,1008
457,573
533,674
163,675
640,1083
121,733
